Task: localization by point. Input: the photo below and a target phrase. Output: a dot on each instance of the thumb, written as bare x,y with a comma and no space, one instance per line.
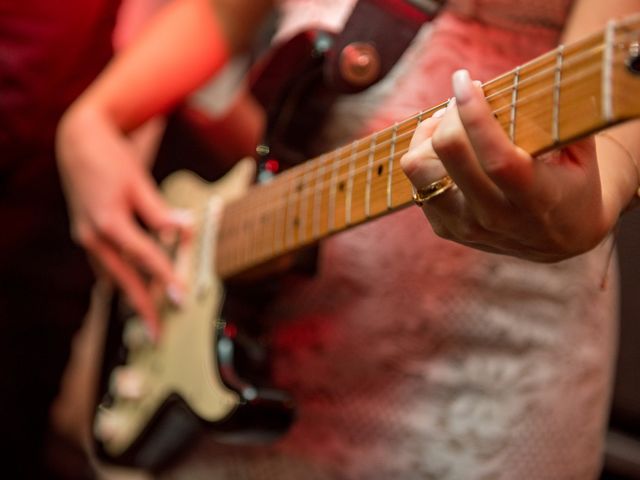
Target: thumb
154,211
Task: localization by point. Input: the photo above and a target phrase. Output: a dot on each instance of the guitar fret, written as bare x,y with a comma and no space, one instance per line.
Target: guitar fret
254,250
540,105
265,226
273,218
317,202
607,71
255,233
227,237
261,224
392,154
514,100
367,195
333,186
555,128
302,214
418,121
291,214
279,230
349,194
276,202
238,244
246,243
249,233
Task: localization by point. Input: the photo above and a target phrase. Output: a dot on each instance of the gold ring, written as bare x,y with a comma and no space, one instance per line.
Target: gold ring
424,194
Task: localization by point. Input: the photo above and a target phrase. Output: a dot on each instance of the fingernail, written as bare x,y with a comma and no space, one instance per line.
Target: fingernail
175,294
451,103
182,217
462,85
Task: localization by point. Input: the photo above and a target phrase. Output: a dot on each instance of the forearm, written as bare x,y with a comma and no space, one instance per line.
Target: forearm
589,16
618,159
183,45
618,148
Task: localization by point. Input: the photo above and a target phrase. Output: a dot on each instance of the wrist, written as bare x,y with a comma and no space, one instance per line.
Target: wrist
628,167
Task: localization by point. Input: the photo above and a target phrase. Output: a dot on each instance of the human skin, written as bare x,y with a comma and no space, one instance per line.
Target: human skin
545,209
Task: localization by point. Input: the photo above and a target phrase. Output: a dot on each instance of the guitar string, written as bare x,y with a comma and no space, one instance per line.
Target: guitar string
291,229
570,60
257,253
306,192
254,251
294,174
309,189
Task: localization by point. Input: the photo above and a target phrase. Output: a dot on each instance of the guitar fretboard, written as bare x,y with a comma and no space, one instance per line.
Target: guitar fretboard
557,98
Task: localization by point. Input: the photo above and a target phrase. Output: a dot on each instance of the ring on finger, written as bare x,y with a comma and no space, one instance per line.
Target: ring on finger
424,194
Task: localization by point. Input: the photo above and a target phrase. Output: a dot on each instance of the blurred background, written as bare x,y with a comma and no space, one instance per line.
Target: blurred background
622,461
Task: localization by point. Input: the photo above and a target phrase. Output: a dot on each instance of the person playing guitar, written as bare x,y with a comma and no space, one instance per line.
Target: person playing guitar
408,355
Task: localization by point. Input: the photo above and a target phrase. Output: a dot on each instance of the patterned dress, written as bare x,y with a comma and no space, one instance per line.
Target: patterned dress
411,357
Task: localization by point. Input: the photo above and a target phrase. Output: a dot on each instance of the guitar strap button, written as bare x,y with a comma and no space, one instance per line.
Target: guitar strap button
360,64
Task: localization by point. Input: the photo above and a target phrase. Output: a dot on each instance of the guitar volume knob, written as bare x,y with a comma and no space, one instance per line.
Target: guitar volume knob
128,383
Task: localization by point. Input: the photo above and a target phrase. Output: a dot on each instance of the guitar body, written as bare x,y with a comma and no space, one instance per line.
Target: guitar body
164,392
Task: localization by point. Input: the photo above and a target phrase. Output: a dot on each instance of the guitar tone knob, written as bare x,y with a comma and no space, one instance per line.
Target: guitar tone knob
108,425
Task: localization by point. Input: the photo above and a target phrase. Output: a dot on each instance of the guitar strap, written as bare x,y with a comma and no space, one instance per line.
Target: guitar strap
373,39
320,66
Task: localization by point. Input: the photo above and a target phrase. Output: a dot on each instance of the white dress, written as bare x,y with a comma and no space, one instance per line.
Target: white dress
411,357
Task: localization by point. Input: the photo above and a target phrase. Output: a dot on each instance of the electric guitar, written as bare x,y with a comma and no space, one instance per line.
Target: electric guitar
557,98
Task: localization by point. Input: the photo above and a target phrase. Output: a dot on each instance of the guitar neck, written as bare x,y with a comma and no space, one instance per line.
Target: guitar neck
557,98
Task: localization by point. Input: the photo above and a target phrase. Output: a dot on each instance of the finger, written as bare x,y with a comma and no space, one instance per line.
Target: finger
154,211
131,283
452,145
422,167
425,128
510,167
145,252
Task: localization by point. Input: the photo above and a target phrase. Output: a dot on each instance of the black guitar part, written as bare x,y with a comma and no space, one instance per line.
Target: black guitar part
289,84
262,415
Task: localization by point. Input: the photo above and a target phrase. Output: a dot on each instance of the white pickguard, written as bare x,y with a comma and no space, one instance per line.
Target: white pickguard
183,361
